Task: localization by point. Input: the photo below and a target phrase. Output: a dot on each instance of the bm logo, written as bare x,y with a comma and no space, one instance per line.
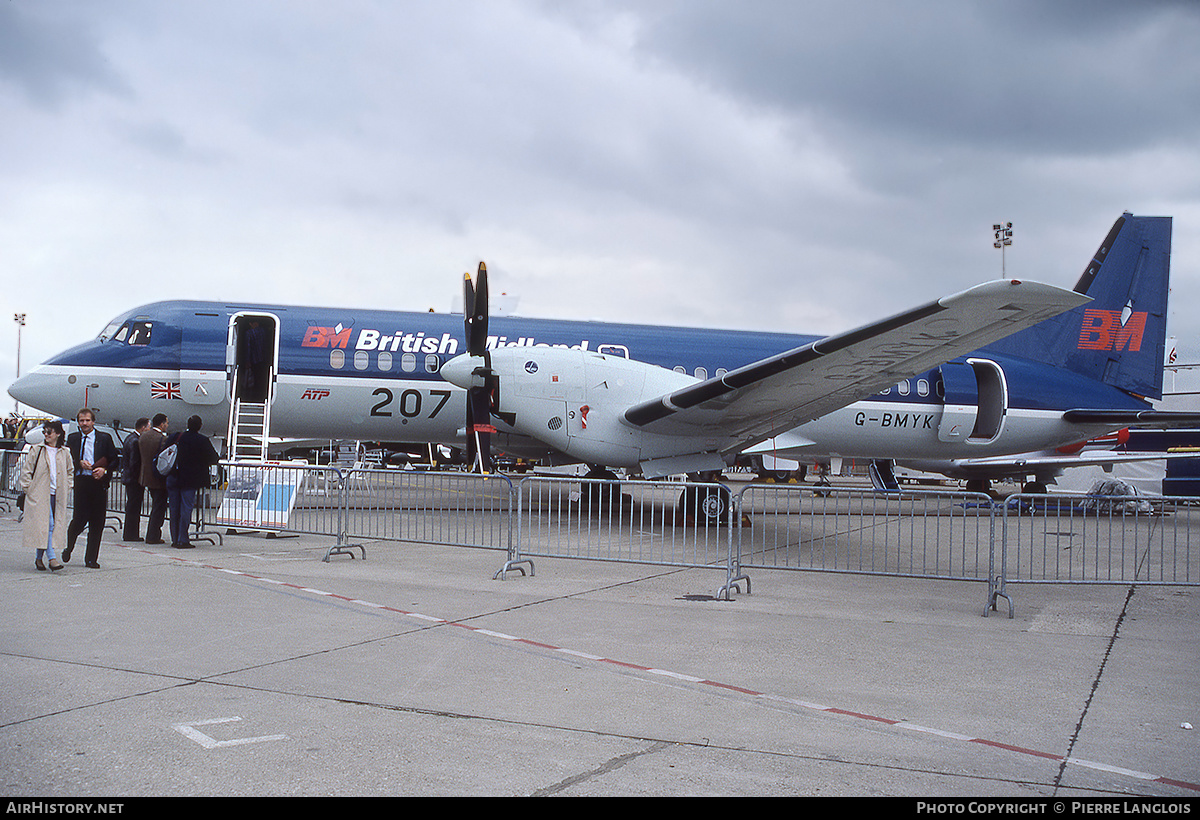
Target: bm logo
1105,330
326,337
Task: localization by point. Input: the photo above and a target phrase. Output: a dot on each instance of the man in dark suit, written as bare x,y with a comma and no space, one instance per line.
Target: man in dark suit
94,455
150,443
131,477
196,455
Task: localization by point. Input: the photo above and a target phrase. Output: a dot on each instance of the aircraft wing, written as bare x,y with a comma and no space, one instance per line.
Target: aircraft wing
755,402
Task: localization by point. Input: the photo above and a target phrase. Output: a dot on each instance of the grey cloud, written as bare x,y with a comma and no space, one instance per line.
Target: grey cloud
51,54
1050,77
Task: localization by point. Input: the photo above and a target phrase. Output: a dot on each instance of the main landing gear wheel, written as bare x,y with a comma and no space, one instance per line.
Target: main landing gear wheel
595,495
979,485
705,506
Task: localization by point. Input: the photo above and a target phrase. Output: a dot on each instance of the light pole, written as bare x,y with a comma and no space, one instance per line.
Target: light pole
19,318
1003,240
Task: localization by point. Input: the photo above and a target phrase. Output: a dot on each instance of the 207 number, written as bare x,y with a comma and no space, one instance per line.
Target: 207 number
409,404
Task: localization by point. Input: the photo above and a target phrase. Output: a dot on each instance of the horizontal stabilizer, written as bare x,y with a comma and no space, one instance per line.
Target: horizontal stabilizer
1134,418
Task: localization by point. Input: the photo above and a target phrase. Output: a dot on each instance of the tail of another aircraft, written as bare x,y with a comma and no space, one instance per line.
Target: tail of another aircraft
1120,337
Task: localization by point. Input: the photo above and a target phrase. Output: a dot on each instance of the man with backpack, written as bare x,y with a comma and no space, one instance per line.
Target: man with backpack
194,455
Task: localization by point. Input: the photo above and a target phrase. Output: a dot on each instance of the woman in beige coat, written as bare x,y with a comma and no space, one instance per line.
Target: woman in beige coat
46,479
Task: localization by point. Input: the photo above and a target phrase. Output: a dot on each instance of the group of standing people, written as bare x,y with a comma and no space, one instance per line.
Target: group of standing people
84,463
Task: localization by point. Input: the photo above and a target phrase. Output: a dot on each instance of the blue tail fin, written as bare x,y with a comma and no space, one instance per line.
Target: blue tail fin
1120,337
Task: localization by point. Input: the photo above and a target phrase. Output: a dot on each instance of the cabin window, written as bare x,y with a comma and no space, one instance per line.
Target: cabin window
361,360
613,350
701,373
432,363
408,362
337,359
903,388
385,361
922,387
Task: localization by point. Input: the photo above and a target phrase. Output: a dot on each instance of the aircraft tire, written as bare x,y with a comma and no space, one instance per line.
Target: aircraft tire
705,506
979,485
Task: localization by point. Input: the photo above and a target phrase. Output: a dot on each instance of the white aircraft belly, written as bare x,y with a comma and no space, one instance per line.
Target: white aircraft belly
894,430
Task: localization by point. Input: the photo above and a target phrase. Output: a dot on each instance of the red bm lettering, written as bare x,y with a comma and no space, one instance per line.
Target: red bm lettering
1102,330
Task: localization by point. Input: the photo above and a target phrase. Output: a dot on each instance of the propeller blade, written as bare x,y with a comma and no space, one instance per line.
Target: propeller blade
479,430
475,311
480,398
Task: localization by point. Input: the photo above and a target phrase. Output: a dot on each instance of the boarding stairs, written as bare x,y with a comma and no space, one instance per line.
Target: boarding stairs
248,426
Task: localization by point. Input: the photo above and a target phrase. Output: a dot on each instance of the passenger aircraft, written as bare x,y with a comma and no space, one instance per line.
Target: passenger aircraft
1004,367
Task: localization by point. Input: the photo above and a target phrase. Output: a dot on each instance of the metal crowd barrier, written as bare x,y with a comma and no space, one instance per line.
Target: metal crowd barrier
1100,539
646,522
919,534
454,508
360,504
9,470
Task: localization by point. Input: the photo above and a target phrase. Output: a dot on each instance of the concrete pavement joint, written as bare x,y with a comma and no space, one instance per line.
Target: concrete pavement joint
1064,759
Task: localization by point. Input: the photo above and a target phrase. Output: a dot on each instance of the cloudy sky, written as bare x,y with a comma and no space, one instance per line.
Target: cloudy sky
774,164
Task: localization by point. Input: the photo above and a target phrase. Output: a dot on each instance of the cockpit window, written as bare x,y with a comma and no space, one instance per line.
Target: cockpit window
139,331
110,331
133,332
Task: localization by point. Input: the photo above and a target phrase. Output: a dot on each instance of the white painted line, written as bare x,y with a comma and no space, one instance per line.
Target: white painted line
674,675
1104,767
190,731
916,727
795,702
496,634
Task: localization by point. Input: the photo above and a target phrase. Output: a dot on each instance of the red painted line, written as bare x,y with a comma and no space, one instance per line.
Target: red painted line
1017,749
627,665
537,644
731,688
861,715
1179,783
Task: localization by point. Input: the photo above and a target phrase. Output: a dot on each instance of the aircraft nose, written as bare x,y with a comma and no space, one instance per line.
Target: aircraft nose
33,390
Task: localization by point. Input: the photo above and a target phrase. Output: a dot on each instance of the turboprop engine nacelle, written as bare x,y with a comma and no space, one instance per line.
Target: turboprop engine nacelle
574,400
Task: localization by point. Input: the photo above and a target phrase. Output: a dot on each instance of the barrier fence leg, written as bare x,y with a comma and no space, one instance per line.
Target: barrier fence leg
514,560
997,584
733,566
343,545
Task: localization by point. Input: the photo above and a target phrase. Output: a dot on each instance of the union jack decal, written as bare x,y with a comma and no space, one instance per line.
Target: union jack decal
165,390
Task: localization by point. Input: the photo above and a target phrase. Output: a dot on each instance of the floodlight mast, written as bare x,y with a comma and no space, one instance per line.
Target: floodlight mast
1003,233
19,318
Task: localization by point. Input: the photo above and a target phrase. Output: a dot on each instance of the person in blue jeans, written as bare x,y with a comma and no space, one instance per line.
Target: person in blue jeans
195,454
